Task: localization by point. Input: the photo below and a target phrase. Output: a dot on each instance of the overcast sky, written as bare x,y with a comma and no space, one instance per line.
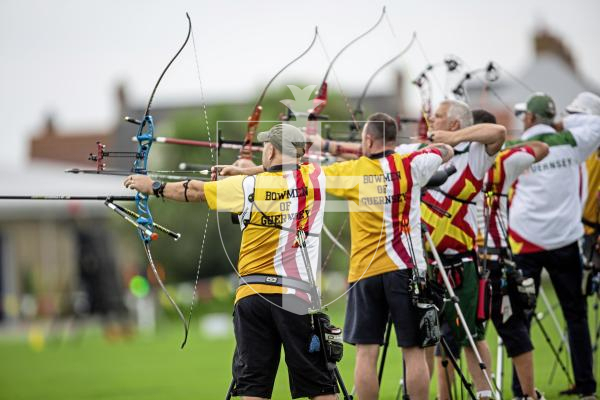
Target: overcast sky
65,57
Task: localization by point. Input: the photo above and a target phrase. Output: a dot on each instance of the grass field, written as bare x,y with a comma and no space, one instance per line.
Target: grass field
153,367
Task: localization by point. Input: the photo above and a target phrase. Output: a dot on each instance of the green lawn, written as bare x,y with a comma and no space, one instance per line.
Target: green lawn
153,367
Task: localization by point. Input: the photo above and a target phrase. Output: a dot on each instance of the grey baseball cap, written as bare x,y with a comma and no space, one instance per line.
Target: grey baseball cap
286,138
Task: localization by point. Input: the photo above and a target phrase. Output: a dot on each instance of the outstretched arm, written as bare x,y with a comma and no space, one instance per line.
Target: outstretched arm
172,190
491,135
231,170
347,150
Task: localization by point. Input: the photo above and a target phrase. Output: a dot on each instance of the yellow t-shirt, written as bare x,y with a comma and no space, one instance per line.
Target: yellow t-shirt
283,201
590,208
383,200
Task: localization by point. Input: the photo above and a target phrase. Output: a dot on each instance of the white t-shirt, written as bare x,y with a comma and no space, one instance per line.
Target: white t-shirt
545,212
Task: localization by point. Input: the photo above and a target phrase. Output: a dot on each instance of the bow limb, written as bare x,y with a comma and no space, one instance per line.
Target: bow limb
145,138
142,219
350,43
185,42
166,292
320,100
254,118
319,103
358,111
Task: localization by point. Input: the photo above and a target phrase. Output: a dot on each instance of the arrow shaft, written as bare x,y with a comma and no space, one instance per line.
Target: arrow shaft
152,174
229,144
92,198
221,144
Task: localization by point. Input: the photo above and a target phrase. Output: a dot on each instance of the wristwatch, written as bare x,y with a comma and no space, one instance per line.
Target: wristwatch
157,188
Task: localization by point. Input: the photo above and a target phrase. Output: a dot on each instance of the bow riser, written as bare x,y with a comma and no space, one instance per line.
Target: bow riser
253,121
145,138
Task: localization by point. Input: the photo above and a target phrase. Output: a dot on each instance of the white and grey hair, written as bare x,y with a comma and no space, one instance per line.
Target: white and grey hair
459,111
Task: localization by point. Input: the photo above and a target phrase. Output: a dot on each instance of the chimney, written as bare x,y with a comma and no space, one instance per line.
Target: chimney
399,94
49,127
547,43
121,99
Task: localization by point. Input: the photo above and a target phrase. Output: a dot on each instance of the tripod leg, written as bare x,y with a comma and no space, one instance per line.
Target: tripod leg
405,395
341,384
595,348
457,368
556,355
461,317
455,387
400,389
446,374
230,390
597,324
555,364
386,345
559,330
500,366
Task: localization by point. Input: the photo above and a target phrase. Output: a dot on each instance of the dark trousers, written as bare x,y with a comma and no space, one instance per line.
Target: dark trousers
564,266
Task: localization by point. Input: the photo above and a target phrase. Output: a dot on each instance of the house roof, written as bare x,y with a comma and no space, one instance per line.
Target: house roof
73,147
548,73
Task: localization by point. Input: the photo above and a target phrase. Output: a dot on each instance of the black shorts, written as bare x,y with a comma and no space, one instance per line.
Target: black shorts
514,332
370,302
261,328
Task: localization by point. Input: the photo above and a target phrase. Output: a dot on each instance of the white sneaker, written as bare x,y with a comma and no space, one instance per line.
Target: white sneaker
539,394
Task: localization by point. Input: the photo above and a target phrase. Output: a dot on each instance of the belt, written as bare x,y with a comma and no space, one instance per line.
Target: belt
492,250
490,257
590,224
498,254
493,253
454,259
275,280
